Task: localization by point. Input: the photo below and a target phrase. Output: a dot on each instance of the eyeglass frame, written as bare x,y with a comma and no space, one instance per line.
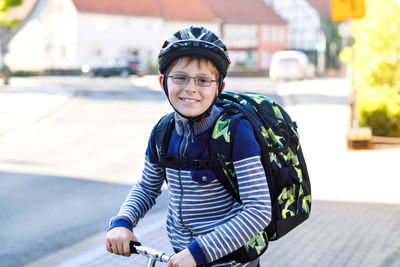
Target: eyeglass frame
194,78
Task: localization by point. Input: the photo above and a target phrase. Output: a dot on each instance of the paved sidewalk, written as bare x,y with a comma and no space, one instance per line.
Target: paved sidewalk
355,219
337,234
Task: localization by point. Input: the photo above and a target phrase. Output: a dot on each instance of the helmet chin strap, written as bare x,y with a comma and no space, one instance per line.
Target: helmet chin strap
197,118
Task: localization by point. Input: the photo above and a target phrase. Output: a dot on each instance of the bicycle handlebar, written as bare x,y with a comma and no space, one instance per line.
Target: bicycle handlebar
137,248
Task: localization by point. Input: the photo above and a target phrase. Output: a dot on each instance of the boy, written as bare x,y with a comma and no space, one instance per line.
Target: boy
204,221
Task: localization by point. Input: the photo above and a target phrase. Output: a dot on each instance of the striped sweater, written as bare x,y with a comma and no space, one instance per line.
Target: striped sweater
202,215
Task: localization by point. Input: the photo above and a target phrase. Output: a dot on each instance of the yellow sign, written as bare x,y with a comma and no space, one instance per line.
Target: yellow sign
347,9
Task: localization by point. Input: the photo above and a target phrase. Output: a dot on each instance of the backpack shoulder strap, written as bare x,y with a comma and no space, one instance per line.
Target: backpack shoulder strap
220,149
163,134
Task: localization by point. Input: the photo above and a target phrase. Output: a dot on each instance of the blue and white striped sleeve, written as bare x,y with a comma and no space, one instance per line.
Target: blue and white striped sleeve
255,214
143,195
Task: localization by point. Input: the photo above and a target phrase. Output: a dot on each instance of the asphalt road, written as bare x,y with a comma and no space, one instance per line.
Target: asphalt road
62,179
41,213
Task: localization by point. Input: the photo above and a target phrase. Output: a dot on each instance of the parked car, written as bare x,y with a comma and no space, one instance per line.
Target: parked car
290,65
114,67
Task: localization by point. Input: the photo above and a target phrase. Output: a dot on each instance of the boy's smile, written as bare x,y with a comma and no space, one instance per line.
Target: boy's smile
191,99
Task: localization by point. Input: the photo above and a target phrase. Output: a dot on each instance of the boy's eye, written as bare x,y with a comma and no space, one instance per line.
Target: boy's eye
203,80
181,78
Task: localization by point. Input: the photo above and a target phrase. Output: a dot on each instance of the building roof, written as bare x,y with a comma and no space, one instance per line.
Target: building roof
147,8
323,7
194,10
191,10
251,11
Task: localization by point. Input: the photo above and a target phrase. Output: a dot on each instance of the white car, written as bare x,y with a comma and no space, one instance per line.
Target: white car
290,65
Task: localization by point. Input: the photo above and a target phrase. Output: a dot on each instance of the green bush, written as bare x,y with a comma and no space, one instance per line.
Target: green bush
381,123
379,108
22,73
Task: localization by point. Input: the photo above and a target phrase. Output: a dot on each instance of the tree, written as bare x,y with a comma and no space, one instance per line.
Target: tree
5,5
375,60
5,26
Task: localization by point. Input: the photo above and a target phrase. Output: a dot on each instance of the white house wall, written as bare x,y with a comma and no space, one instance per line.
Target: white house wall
304,22
47,40
106,36
171,27
241,36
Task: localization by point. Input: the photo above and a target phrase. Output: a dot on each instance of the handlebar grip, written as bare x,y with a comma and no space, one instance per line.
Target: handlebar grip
133,245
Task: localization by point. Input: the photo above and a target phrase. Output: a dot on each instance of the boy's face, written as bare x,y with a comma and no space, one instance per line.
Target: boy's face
191,99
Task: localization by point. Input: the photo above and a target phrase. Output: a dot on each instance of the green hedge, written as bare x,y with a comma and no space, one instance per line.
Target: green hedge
379,108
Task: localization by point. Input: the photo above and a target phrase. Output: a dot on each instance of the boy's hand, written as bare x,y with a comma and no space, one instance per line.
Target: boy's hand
182,259
118,240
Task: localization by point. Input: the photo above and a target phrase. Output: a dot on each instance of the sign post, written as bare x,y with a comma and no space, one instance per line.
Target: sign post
345,10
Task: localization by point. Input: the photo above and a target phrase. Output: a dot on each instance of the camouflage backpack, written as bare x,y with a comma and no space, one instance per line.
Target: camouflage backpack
281,156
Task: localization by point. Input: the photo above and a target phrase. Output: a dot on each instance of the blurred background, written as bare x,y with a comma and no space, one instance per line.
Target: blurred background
79,96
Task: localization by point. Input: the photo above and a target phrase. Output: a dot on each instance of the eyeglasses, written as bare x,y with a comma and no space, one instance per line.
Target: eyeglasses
184,79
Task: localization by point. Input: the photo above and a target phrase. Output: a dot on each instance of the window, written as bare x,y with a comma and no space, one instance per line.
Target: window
265,35
274,35
282,35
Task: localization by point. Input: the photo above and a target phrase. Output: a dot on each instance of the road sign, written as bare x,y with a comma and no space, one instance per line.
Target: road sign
347,9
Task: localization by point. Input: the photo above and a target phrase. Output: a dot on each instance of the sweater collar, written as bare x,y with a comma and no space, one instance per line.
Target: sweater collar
199,127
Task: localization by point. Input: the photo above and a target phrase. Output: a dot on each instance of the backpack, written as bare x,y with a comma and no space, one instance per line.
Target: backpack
281,157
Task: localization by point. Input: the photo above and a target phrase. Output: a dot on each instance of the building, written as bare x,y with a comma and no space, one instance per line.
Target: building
134,27
251,30
304,23
66,34
45,38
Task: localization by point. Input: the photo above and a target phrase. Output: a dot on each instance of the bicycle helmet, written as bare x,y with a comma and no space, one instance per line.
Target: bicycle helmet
194,41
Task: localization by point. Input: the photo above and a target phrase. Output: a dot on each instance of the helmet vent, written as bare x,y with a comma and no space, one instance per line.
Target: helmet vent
196,32
213,39
178,35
